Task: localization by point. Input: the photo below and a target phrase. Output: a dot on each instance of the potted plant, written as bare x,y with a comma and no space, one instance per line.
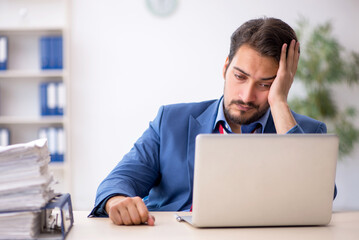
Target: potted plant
323,65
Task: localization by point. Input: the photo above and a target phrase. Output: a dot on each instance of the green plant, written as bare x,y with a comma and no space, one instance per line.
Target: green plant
323,65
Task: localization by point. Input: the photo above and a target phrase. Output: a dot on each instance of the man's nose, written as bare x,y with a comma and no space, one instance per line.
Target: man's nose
248,93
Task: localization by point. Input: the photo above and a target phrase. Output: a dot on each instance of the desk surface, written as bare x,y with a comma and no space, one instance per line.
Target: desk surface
344,225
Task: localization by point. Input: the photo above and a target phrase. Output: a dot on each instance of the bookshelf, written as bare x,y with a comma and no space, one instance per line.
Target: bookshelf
24,22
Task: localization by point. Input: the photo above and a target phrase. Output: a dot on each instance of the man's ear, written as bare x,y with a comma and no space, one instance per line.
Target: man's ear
225,68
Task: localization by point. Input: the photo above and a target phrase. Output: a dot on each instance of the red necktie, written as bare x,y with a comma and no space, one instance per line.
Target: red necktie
221,129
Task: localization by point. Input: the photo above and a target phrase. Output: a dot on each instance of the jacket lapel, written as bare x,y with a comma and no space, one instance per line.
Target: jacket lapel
202,124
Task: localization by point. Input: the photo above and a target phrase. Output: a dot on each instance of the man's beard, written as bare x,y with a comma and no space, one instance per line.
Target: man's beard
242,119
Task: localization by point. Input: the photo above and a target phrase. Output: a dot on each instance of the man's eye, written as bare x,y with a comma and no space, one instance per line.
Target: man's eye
265,85
240,77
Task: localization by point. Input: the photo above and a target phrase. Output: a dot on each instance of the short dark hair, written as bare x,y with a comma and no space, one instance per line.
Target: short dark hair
265,35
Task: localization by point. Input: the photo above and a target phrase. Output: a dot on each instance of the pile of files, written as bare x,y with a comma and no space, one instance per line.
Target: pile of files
25,187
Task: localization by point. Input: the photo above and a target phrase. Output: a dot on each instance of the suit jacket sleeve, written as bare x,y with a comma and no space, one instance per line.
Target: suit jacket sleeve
297,129
137,172
307,125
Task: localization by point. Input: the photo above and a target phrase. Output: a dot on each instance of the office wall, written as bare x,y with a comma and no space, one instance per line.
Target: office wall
126,63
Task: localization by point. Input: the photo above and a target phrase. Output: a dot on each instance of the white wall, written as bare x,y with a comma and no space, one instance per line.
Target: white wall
127,62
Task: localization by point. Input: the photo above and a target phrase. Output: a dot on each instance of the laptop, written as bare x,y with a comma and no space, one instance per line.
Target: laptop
263,180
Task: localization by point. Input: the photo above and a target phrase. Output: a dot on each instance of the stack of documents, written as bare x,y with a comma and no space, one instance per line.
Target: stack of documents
19,225
24,188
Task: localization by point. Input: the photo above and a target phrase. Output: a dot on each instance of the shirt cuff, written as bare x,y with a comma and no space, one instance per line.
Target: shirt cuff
100,209
295,129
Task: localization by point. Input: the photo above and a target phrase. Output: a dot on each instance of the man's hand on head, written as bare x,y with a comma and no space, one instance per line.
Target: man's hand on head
287,68
278,93
128,211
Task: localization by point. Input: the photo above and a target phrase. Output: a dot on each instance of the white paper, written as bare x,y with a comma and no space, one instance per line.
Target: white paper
25,187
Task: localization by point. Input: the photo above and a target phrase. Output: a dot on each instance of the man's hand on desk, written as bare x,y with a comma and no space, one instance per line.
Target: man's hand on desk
128,211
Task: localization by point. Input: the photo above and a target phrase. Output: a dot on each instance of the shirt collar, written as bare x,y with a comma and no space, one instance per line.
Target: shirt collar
244,128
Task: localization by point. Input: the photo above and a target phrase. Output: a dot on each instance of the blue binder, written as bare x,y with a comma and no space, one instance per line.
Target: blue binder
57,218
3,52
56,142
53,52
61,54
51,48
58,52
60,148
45,52
52,143
43,99
52,99
60,98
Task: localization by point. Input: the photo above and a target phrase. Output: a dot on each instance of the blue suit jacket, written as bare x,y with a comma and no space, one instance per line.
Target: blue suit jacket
160,165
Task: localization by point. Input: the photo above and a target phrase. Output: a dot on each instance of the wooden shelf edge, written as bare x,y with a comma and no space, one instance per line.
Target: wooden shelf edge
32,74
31,29
32,120
57,166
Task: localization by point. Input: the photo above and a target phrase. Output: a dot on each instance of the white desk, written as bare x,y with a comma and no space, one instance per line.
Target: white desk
344,226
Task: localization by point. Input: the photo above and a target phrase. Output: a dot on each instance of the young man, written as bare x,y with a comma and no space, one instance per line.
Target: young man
258,74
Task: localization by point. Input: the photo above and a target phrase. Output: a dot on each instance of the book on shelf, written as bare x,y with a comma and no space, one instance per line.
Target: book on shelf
52,98
61,98
56,142
51,52
3,52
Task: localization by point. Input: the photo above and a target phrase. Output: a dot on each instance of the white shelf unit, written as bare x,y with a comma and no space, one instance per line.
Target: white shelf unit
24,22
